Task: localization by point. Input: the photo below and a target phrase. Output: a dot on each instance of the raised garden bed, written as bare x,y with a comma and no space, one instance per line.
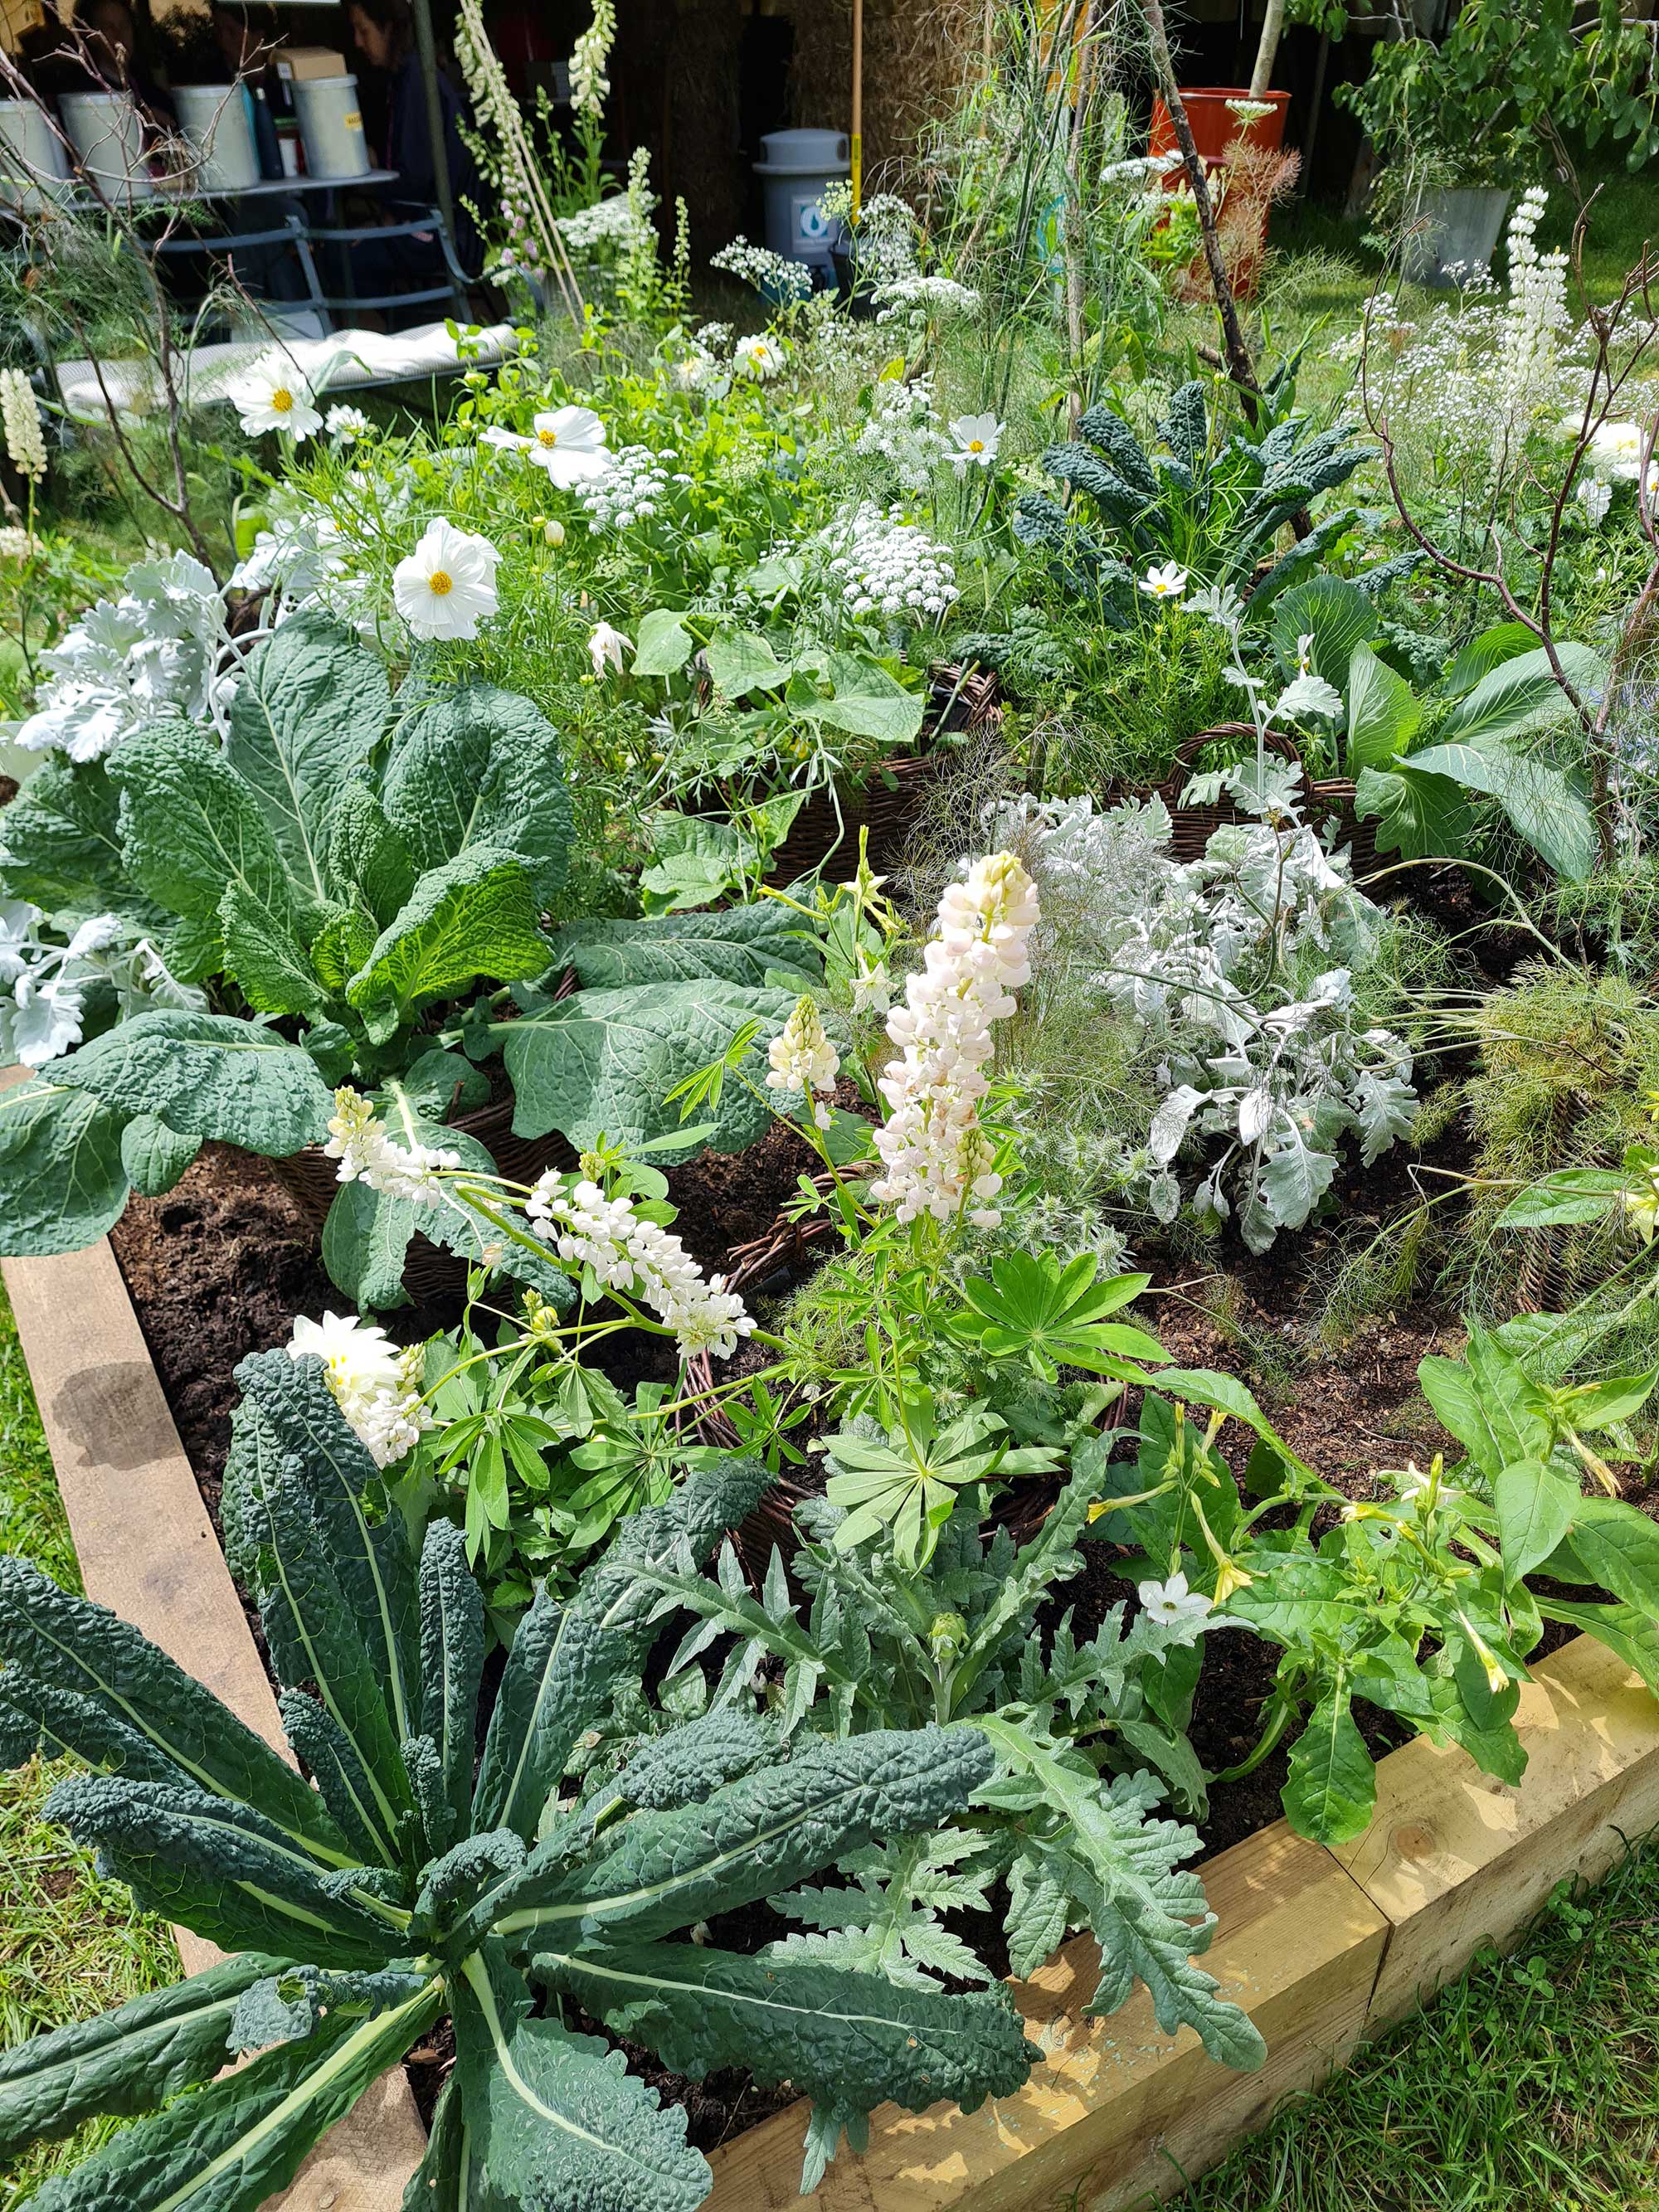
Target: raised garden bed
1320,1948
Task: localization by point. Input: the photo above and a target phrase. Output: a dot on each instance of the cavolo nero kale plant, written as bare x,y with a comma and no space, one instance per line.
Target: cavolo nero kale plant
348,873
406,1885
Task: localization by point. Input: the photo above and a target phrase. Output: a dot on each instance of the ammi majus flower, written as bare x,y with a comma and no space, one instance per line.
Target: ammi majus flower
446,586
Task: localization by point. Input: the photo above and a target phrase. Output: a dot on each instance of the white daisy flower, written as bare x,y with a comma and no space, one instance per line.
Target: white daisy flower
977,437
606,646
272,395
758,357
446,586
1168,582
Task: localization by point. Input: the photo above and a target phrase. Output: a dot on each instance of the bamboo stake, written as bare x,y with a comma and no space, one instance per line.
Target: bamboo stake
856,136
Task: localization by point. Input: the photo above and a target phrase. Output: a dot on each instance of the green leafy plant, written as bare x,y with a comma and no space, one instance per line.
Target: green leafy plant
344,872
1088,1736
403,1886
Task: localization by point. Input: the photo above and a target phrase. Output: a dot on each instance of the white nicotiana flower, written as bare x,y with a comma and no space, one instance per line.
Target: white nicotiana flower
606,646
872,987
376,1387
1171,1603
272,395
977,437
758,357
1168,582
20,425
446,586
934,1155
368,1154
642,1258
345,424
801,1058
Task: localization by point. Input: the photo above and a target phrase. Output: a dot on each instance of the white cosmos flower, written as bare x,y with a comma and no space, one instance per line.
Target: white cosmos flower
1172,1603
758,357
446,586
606,646
977,437
272,395
346,423
568,442
1595,496
1168,582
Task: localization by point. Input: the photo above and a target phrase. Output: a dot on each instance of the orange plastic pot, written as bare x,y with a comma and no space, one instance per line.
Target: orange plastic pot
1214,126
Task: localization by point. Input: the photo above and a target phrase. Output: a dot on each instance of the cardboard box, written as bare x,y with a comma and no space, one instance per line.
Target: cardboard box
304,63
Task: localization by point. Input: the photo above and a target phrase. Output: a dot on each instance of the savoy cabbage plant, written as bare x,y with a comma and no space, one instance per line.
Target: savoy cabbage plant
1088,1737
1235,974
419,1877
338,885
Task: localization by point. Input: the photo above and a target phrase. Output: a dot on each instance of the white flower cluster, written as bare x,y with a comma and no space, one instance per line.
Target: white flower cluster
631,489
590,87
366,1153
801,1058
152,651
44,987
376,1386
628,1253
904,432
935,1155
24,436
15,544
917,301
1280,1067
774,275
891,568
1486,368
611,227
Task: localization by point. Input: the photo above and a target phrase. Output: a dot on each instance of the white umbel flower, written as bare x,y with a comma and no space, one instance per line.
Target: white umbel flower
20,425
446,586
935,1156
802,1058
376,1387
368,1153
272,395
627,1253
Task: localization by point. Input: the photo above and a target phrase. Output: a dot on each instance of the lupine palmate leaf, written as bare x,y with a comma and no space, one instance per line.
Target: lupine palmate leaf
104,1683
560,2125
452,1662
848,2041
230,2147
127,2060
753,1837
220,1868
287,1409
566,1658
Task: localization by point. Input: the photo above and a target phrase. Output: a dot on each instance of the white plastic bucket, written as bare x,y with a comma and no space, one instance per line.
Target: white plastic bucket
796,167
108,135
33,167
217,122
332,125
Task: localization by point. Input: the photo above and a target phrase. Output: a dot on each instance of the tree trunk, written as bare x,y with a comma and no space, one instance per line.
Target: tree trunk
1273,29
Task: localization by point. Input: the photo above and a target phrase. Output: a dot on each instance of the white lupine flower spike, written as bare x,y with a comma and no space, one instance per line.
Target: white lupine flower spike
376,1386
628,1254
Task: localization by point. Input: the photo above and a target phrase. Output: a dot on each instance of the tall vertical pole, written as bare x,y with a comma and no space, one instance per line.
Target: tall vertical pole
427,47
857,135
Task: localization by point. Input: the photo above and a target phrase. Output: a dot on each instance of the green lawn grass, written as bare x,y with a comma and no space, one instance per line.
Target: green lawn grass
70,1944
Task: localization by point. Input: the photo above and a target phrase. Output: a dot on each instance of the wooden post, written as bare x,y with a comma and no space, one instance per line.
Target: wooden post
856,135
434,115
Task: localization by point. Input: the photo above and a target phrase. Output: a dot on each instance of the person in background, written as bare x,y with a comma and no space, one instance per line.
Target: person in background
109,56
383,32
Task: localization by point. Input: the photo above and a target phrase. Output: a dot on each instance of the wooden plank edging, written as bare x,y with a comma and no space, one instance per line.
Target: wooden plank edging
1321,1947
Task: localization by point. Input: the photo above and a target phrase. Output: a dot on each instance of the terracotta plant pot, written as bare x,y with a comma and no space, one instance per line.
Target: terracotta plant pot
1218,134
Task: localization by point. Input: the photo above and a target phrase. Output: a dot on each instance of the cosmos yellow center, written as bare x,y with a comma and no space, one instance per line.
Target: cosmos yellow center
548,437
440,581
282,400
976,445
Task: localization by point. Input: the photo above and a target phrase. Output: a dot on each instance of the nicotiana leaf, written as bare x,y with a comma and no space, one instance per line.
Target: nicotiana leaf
1331,1785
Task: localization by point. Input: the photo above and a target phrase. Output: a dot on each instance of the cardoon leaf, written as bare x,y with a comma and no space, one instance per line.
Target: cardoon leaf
103,1681
222,1869
559,2125
847,2040
127,2060
230,2147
